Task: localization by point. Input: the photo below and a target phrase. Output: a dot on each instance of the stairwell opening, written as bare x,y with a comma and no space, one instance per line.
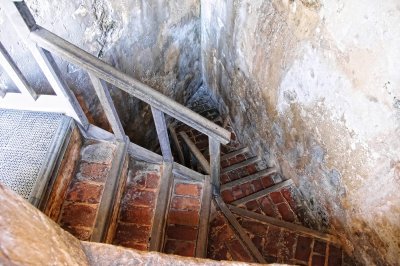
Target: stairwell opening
309,87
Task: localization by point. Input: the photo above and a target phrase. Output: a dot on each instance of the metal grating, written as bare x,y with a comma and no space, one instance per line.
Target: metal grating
25,139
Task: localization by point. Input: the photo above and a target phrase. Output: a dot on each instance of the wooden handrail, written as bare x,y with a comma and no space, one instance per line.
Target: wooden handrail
79,57
45,43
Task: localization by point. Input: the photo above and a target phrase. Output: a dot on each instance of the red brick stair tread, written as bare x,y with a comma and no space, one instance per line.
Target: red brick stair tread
240,165
243,180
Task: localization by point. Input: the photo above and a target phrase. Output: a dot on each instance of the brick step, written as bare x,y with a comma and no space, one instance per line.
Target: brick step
183,218
242,164
263,192
284,204
247,179
235,153
82,199
134,221
223,243
282,242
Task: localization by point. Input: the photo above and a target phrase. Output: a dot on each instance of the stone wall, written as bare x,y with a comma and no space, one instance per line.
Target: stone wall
156,42
313,87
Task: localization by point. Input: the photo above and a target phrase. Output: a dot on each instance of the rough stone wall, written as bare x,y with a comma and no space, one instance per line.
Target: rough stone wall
156,42
313,87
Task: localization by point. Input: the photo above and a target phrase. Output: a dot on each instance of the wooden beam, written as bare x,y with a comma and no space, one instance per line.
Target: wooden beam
2,93
162,132
144,154
215,166
128,84
176,143
160,213
290,226
238,228
108,106
15,73
22,21
196,152
118,194
240,181
234,153
108,199
263,192
187,173
202,237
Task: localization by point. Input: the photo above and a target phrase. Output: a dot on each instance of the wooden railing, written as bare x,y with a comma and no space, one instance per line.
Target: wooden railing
42,44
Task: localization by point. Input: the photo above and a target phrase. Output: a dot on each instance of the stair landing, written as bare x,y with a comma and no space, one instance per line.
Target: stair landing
28,143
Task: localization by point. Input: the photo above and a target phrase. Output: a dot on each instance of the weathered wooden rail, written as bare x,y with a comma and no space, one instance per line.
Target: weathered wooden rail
43,44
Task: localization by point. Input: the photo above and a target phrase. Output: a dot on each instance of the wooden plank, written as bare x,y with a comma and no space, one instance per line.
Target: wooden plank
160,213
202,238
234,153
241,164
143,154
15,73
263,192
162,133
290,226
113,223
22,21
108,106
130,85
2,93
176,143
240,181
196,152
214,147
108,199
97,133
38,193
238,228
187,173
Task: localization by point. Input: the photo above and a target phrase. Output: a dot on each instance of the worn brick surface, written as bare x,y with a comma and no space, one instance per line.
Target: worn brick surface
286,246
182,248
77,214
188,189
303,249
93,172
182,232
82,198
223,243
85,192
139,198
183,218
185,203
132,233
137,215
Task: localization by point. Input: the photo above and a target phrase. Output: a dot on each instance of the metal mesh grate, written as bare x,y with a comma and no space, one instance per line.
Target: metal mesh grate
25,139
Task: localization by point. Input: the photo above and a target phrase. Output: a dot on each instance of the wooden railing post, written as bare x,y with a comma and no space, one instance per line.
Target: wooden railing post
108,106
214,147
162,132
15,74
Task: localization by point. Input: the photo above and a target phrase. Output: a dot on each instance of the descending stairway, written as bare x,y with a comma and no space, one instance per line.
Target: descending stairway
156,209
259,216
104,188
